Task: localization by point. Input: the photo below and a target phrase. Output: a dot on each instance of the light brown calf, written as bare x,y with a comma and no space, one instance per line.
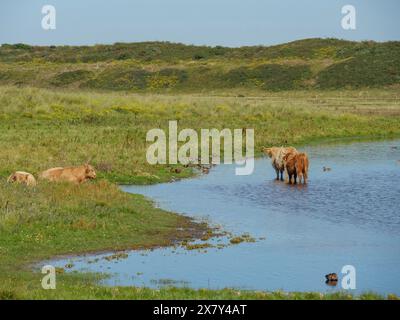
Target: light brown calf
296,165
72,174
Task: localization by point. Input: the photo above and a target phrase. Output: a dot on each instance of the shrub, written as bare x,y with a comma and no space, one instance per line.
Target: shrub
70,77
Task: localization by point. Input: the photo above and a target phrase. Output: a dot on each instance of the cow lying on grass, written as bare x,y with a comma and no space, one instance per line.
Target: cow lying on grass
277,154
72,174
296,165
22,177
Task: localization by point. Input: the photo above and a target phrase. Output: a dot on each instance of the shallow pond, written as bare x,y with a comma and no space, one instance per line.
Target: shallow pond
349,215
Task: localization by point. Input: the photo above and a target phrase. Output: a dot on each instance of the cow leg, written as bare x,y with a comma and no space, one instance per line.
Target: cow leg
290,178
295,178
281,175
300,177
277,174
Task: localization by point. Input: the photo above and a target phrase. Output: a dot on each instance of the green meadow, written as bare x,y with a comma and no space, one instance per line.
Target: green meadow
43,128
63,106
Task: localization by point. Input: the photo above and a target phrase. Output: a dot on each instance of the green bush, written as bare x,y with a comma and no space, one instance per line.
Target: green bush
70,77
373,65
269,76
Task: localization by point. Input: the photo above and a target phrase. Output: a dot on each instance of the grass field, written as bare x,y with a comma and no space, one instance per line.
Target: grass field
41,128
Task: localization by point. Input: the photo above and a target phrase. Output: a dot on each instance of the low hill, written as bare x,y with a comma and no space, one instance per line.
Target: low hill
171,67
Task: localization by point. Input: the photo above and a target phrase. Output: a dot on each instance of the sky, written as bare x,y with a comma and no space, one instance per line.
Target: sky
207,22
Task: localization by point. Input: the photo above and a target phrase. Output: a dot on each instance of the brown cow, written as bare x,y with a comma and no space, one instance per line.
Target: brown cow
72,174
276,154
22,177
296,165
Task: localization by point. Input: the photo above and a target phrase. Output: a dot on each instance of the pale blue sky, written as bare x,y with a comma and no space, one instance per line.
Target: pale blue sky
210,22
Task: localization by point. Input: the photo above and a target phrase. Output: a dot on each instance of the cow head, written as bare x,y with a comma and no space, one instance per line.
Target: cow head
13,178
90,173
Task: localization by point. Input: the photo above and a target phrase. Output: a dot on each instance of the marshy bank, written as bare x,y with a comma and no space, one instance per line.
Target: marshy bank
63,219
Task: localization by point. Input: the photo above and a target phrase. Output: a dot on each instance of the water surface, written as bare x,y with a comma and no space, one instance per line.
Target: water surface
348,215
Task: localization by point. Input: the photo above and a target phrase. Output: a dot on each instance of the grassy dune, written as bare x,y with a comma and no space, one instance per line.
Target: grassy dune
170,67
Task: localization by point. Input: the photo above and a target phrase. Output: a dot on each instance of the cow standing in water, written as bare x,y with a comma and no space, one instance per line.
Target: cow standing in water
296,165
277,154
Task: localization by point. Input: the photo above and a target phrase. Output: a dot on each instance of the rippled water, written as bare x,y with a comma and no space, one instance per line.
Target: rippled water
349,215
